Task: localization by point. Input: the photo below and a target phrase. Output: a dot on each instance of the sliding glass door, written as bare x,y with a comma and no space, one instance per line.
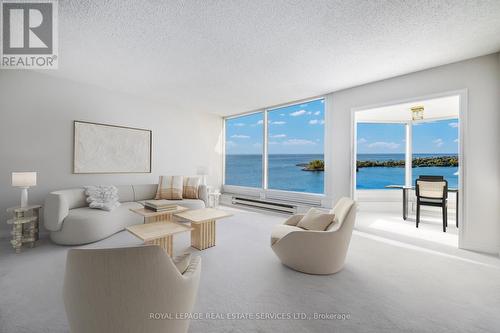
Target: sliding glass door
435,150
383,153
380,159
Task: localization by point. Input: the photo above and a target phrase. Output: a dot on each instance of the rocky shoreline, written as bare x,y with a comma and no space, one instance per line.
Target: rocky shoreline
421,162
441,161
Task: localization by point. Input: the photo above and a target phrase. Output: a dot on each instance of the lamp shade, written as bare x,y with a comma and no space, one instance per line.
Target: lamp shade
23,179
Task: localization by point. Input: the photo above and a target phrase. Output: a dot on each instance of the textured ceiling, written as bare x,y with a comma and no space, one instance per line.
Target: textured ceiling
227,57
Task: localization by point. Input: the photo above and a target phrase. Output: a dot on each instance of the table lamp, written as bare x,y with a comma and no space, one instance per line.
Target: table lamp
24,180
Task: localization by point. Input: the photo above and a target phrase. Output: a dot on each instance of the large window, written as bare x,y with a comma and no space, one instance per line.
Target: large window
244,150
294,145
380,155
435,150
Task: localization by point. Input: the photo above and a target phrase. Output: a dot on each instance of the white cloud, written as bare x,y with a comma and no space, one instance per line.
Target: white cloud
230,144
438,142
322,101
317,113
298,142
273,143
277,136
239,124
382,144
303,105
309,113
280,122
239,136
454,125
316,122
362,140
282,114
456,140
257,145
260,122
298,113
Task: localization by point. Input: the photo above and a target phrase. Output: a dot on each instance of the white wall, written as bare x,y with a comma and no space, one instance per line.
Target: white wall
36,133
480,76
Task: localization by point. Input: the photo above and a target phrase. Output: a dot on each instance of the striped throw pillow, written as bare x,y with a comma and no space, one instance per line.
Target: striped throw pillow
170,188
191,185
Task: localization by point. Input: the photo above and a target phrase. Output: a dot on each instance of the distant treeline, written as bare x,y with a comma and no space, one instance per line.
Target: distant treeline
314,165
441,161
422,162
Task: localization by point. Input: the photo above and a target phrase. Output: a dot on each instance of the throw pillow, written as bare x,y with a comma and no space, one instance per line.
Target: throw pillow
191,185
316,219
102,197
170,188
182,262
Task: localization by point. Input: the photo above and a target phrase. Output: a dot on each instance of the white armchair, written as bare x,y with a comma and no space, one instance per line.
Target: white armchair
126,289
316,252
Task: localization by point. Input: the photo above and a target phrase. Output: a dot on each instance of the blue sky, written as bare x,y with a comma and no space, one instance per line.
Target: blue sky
295,129
428,137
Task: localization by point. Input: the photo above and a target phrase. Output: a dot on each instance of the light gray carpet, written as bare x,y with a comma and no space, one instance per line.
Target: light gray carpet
385,286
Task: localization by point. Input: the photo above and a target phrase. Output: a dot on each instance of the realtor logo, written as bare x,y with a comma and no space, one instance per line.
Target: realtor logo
29,34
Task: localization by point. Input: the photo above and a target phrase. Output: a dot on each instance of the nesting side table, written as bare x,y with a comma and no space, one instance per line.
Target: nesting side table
24,225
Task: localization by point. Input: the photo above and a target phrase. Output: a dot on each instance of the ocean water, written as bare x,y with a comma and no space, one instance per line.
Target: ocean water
284,174
380,177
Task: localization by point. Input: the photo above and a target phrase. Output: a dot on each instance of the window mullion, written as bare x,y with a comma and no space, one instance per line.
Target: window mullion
408,154
264,151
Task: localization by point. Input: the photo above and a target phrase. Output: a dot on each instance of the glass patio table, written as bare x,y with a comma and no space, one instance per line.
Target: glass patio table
405,190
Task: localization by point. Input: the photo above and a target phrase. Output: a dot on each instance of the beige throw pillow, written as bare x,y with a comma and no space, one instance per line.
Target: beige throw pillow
182,262
191,185
316,219
170,188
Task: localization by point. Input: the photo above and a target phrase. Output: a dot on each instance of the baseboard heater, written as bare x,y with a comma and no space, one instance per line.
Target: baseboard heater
265,204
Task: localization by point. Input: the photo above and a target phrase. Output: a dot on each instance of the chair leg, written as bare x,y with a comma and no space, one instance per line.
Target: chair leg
418,214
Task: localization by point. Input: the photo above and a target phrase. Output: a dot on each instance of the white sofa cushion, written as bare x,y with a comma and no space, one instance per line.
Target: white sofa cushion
316,219
125,193
144,191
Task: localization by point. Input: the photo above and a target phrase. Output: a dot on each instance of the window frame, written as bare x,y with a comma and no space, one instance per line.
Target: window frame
408,149
264,191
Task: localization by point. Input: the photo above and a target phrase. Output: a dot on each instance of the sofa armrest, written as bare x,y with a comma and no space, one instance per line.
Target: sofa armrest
294,219
203,194
55,210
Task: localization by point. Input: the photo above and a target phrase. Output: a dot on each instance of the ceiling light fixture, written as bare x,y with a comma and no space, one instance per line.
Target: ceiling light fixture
417,112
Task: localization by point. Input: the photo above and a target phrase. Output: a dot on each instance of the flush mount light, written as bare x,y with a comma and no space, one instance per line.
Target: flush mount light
417,112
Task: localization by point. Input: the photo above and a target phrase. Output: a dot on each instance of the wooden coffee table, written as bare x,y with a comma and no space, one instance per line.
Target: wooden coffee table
158,233
203,223
152,216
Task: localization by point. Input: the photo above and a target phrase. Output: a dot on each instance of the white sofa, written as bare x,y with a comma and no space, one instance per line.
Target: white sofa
71,222
121,297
